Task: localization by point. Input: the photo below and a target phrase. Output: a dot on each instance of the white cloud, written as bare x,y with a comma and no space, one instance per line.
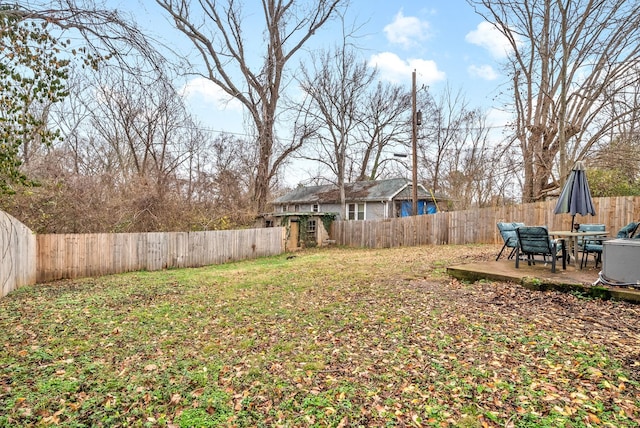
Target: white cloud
396,70
488,37
407,31
205,91
485,72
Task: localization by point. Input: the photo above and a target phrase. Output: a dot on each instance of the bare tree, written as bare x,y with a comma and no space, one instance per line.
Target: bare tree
131,158
144,126
477,171
614,165
458,156
570,61
105,33
442,129
336,86
383,129
216,29
45,28
126,140
221,171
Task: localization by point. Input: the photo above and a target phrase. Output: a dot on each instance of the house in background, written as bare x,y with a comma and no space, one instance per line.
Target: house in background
308,211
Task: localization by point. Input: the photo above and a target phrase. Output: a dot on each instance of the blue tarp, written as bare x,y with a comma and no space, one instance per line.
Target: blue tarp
424,207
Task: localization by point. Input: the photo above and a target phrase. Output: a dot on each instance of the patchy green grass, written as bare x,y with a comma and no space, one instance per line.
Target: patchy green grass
332,337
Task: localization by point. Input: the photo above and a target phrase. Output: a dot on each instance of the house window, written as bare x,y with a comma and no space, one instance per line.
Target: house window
311,227
268,223
355,211
315,208
296,208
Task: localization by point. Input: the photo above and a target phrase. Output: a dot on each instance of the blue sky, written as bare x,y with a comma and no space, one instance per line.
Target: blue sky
445,41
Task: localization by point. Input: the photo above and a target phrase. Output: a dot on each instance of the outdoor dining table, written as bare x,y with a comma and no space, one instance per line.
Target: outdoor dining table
572,238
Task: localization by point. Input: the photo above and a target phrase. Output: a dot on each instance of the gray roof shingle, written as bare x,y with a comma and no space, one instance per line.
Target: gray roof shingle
380,190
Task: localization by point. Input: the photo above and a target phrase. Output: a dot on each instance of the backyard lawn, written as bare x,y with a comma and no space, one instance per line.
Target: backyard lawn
327,337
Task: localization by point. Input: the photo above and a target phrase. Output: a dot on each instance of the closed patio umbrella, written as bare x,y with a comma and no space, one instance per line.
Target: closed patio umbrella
576,196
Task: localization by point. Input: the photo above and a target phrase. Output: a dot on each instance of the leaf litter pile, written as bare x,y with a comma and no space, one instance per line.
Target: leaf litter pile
329,337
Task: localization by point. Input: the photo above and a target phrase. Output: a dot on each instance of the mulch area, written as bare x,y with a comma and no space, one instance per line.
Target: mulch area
611,324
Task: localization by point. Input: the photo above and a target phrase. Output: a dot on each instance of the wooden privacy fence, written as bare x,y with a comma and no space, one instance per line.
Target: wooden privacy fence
85,255
26,258
476,226
17,254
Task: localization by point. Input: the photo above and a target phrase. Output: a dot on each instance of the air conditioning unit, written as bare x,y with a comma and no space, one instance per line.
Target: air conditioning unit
621,261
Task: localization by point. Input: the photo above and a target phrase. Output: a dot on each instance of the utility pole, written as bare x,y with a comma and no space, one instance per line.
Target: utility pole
414,152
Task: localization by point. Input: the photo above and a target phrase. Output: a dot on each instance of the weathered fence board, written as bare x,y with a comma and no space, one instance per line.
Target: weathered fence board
85,255
476,226
17,254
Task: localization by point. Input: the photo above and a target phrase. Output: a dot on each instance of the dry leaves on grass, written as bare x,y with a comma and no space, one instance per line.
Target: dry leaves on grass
337,337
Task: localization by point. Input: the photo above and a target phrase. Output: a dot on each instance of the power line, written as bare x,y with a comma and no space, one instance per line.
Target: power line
190,127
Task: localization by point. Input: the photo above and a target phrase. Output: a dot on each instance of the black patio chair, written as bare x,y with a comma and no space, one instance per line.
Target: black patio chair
535,240
508,234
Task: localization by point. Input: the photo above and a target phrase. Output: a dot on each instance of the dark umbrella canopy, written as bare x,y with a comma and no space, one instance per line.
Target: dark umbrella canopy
576,196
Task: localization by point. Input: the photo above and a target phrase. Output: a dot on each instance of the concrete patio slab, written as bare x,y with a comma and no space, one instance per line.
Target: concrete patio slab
539,277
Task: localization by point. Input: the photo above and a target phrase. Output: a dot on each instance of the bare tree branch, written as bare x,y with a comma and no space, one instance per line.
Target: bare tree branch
569,62
216,30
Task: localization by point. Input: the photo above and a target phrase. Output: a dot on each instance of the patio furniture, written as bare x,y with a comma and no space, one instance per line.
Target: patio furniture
595,246
508,233
629,231
534,240
590,244
571,242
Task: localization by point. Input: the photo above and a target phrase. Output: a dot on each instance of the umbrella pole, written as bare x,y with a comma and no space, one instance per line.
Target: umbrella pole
573,221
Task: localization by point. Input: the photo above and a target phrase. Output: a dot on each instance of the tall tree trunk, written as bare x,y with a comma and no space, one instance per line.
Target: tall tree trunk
571,61
223,46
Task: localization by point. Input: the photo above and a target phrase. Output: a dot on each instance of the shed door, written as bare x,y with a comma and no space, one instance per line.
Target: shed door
294,235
